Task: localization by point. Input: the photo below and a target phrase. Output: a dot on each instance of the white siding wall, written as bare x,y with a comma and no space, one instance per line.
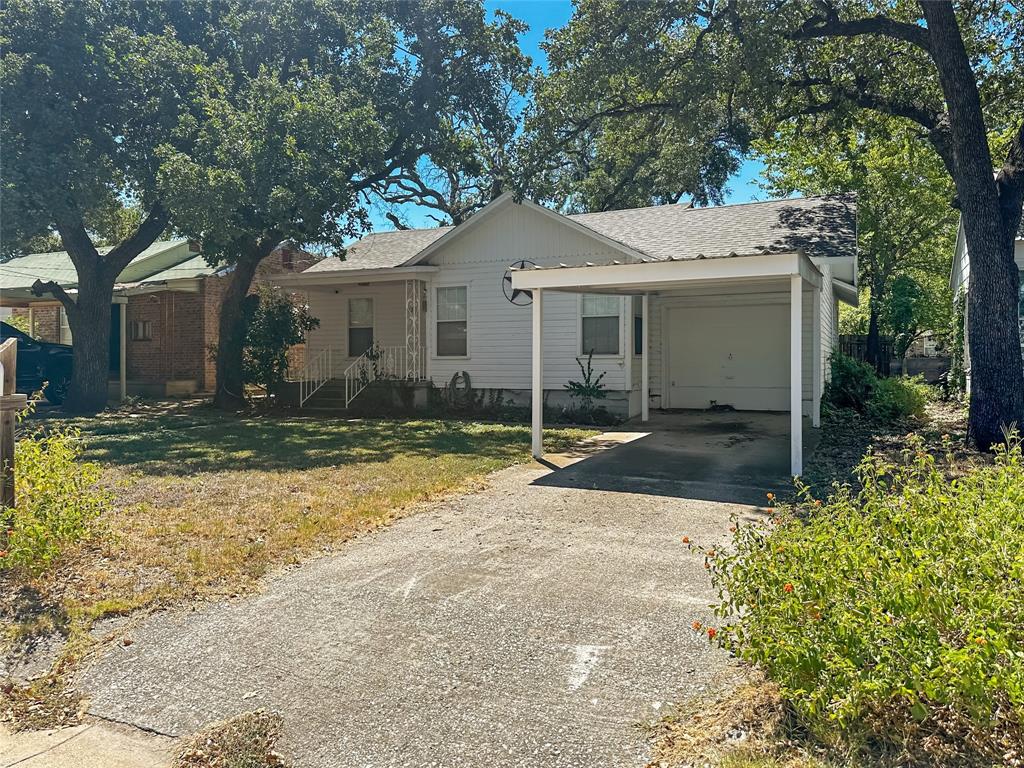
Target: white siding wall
499,332
330,306
829,329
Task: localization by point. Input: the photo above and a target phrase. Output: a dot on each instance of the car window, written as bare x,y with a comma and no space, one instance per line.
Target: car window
10,332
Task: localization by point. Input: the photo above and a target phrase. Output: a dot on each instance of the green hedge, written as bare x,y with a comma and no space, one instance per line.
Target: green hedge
901,602
854,385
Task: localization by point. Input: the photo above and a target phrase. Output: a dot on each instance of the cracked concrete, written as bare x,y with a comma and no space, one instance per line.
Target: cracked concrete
94,744
535,623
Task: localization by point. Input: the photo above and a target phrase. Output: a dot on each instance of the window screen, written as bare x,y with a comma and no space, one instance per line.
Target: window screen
600,325
452,315
360,326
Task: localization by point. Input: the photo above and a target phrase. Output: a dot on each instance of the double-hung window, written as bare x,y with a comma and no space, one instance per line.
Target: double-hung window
360,326
452,325
599,324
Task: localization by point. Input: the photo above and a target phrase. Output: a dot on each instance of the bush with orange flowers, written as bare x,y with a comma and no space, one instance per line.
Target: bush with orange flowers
892,607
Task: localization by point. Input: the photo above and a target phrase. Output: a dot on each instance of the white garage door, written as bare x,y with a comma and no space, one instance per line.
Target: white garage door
736,356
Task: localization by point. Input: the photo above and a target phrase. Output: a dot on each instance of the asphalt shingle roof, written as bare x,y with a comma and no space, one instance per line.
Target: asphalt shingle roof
382,249
819,226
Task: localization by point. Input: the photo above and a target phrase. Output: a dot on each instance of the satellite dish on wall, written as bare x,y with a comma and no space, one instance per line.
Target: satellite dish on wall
517,296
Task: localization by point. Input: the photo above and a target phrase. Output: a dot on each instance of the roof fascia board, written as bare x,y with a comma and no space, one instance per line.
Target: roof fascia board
846,292
655,273
343,276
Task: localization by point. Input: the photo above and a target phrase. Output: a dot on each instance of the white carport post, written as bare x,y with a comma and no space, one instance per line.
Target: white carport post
537,398
796,438
645,377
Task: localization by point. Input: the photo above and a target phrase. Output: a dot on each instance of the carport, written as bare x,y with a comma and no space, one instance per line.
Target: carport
792,280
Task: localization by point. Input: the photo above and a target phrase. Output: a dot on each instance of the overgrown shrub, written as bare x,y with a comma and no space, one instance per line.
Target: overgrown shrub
851,383
275,322
58,501
854,385
900,603
899,398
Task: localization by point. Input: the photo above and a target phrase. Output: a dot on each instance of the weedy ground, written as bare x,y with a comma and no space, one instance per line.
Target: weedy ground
207,503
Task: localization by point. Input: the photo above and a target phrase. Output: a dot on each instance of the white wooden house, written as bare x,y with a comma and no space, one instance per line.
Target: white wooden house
682,307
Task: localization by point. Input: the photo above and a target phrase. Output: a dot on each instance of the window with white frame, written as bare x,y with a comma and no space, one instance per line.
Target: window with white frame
360,326
140,330
599,324
452,321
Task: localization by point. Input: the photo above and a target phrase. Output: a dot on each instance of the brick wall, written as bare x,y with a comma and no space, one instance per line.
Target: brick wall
45,322
172,351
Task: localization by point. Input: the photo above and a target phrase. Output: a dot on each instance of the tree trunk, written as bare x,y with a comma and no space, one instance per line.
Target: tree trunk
230,388
989,212
90,329
873,353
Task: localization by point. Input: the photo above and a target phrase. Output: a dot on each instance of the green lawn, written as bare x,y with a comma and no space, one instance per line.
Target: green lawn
207,502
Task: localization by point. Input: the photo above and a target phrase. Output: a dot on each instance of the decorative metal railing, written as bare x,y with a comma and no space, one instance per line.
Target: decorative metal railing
317,372
377,363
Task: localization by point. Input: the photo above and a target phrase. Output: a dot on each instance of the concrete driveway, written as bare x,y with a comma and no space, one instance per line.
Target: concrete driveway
535,623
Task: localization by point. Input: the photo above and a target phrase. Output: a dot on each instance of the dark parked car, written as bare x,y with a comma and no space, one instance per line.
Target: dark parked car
40,362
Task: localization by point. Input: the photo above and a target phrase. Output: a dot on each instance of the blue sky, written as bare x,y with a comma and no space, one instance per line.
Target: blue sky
542,15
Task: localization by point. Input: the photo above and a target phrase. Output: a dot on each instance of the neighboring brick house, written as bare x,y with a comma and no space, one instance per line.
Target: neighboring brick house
172,301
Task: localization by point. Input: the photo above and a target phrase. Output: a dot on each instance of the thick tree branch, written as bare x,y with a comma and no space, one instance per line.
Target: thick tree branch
149,230
40,288
830,25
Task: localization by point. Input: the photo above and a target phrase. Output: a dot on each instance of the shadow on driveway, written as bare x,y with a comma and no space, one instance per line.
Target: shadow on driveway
734,457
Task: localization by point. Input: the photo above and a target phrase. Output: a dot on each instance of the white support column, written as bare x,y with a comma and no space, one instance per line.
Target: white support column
818,379
796,437
645,359
537,396
122,351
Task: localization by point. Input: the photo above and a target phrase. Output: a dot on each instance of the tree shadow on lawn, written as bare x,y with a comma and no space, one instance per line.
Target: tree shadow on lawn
203,440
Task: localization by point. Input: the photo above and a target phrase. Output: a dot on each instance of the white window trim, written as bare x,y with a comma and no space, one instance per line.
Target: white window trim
581,353
348,307
635,301
468,285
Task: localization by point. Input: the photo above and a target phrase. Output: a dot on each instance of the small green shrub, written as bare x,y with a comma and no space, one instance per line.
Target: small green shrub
58,501
851,383
899,398
879,609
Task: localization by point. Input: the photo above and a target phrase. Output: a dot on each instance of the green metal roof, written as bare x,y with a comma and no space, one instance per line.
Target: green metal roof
163,260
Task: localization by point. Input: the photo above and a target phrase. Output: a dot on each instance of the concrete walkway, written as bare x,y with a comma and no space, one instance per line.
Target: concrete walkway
530,624
91,745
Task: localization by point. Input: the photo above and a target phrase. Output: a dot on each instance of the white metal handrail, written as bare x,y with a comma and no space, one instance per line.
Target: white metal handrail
376,363
316,373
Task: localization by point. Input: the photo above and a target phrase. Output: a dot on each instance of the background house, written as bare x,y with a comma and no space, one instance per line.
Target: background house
167,299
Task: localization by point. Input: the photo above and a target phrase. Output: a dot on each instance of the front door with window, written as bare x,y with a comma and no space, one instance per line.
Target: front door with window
360,326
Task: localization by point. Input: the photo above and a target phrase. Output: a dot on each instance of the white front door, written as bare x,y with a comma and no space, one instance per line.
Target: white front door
728,355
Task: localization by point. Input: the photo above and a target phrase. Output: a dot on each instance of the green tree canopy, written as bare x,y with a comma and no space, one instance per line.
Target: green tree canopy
906,228
632,83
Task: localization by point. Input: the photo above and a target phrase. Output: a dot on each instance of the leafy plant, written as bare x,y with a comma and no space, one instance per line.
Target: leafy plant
879,610
851,383
58,501
588,390
899,398
20,322
276,323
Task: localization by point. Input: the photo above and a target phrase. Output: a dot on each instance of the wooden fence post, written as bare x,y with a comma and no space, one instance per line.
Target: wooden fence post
10,404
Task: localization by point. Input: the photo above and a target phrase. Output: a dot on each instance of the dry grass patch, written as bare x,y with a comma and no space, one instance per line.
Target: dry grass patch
205,504
245,741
